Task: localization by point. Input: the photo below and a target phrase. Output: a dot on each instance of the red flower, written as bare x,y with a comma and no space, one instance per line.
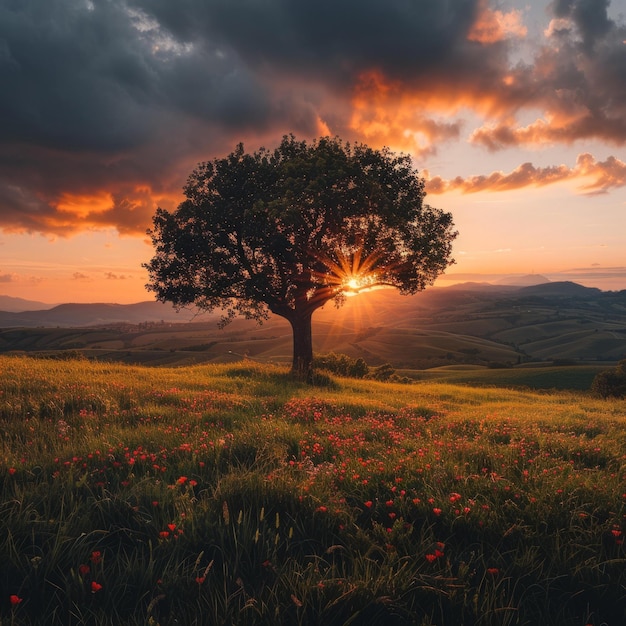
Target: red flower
322,509
200,579
430,558
12,471
95,587
368,504
96,556
182,480
83,569
493,571
437,511
14,600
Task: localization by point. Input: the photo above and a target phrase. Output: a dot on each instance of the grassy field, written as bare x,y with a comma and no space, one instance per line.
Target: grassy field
229,494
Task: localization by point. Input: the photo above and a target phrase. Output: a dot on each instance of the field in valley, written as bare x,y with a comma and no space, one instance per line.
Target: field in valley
229,494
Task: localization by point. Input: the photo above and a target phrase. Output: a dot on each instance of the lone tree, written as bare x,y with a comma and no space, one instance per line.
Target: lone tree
287,230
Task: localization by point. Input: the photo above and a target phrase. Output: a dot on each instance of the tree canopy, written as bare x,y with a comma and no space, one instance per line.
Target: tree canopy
288,230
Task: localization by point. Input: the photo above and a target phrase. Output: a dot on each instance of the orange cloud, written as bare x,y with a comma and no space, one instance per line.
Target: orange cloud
385,112
493,26
128,209
605,175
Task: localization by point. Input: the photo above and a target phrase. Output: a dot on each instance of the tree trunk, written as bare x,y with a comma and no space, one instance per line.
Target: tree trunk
302,345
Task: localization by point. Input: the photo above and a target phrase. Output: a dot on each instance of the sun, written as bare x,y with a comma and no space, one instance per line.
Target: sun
353,283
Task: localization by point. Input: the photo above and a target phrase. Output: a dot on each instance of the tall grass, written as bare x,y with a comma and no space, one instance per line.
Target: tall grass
233,495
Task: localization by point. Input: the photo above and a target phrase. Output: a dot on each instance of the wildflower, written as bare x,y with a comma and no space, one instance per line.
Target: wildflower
96,557
14,600
95,587
172,527
182,480
12,471
368,504
200,579
437,511
493,571
322,509
431,557
83,570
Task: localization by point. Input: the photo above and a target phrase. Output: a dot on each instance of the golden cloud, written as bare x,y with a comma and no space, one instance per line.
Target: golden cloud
604,175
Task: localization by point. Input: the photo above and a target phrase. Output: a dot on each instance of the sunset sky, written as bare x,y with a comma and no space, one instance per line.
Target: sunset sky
514,112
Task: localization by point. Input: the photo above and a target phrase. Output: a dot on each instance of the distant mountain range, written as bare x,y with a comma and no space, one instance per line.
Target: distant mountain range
18,305
16,312
98,314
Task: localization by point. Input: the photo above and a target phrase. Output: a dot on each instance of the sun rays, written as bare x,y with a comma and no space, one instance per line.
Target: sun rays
350,272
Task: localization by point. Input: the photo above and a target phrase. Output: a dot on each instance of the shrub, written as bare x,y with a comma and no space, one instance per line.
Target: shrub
383,372
341,364
611,383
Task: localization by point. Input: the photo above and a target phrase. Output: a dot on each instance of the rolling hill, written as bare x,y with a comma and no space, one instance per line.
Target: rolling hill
493,326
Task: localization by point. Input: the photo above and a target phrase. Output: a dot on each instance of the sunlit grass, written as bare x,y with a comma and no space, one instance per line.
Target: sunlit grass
233,495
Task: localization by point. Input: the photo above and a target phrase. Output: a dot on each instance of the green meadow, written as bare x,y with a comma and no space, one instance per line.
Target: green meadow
230,494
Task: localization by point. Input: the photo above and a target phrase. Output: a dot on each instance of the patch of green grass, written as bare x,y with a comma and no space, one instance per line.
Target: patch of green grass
572,377
230,494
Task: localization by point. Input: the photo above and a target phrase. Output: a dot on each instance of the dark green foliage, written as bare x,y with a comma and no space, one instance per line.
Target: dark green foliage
341,364
611,383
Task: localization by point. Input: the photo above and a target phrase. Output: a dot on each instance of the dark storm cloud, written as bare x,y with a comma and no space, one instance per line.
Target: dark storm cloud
119,99
589,16
100,95
327,38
